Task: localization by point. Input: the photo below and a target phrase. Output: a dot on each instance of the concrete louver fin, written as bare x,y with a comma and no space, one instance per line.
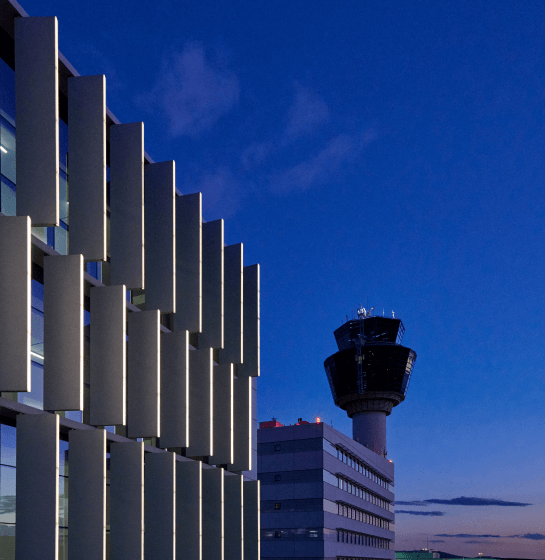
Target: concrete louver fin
160,506
175,389
160,234
252,529
189,510
63,332
188,314
87,494
108,351
242,433
212,284
127,500
127,205
233,317
37,108
15,303
251,353
37,486
213,513
87,149
223,415
234,520
201,397
143,375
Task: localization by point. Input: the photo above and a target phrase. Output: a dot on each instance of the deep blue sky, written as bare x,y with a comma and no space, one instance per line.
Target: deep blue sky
380,152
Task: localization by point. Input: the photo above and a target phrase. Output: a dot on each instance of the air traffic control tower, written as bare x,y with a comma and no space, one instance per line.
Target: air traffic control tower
370,373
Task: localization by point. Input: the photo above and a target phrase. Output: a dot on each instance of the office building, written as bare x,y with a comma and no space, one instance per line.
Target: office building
129,333
323,494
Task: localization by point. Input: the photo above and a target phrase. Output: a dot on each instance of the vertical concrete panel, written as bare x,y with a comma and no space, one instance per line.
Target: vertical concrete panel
188,263
108,356
87,149
175,389
160,506
233,291
127,501
250,365
63,332
144,374
37,487
189,510
252,529
15,298
234,520
212,284
160,228
87,495
37,107
242,433
223,415
212,514
200,403
127,205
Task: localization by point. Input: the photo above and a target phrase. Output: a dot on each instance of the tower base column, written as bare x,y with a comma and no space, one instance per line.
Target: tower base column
369,429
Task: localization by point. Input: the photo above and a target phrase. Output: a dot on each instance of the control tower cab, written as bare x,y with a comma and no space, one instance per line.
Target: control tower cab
370,373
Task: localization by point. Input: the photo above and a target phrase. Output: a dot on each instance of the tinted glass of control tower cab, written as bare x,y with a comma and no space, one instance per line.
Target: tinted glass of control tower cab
370,360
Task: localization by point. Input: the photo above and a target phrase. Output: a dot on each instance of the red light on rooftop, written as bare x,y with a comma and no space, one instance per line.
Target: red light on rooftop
318,420
271,424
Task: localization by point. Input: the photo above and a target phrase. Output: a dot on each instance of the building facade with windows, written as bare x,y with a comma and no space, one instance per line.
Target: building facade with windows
323,495
129,333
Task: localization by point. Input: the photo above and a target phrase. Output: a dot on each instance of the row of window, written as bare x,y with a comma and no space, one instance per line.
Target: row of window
361,467
349,537
362,493
363,516
302,533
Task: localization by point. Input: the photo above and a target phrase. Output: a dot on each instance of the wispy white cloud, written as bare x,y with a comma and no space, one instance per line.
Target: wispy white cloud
306,114
193,91
221,193
255,154
339,150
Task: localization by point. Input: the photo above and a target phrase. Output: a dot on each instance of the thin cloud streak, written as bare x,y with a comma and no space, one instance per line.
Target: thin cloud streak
530,536
431,513
221,192
341,149
306,114
192,91
463,501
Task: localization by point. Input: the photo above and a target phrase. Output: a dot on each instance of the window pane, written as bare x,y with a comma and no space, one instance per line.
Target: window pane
37,336
7,91
63,458
61,240
63,142
7,152
36,396
8,438
63,198
7,198
40,233
7,494
63,501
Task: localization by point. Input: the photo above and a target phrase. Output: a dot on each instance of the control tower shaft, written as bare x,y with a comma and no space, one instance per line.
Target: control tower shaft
369,375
